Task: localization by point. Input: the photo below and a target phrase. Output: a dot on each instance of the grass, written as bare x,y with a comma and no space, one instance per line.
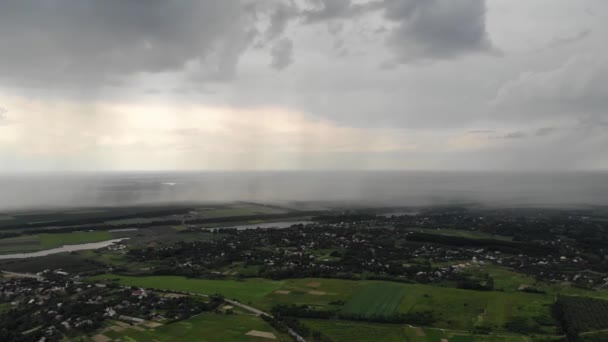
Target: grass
5,307
510,280
244,291
375,299
455,309
204,327
39,242
363,332
57,240
464,309
462,233
297,291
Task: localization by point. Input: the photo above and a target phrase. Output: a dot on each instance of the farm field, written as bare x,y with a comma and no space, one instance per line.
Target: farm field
363,332
204,327
375,299
509,280
244,291
462,233
583,315
48,241
71,214
455,309
310,291
463,309
238,210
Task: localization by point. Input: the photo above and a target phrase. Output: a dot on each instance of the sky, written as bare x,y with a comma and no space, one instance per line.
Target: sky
88,85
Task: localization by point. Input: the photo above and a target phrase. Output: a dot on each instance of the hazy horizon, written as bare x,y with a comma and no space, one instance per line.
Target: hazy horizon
346,188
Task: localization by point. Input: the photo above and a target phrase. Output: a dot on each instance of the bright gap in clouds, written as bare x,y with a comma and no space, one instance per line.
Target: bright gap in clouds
160,136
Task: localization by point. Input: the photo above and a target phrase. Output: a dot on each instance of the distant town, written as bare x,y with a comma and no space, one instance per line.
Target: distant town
453,273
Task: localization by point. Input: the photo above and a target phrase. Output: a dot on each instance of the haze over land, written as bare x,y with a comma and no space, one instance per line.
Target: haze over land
320,189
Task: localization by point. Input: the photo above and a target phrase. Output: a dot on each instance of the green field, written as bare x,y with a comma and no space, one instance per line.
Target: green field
47,241
204,327
363,332
300,291
462,233
375,299
245,291
454,309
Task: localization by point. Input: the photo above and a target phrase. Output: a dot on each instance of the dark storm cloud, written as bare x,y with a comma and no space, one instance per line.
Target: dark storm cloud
90,40
282,54
435,29
334,9
279,19
425,30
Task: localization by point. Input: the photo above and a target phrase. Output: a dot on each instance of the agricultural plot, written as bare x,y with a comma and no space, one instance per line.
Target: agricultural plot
509,280
244,291
582,315
364,332
237,210
375,300
462,233
48,241
204,327
465,309
301,291
452,308
71,215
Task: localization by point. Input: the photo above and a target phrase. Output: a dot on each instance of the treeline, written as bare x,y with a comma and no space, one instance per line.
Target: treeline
503,246
99,219
108,226
305,311
284,323
349,217
424,318
580,314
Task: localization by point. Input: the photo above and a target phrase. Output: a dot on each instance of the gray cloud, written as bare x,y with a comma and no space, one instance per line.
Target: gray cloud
574,87
482,131
559,41
435,29
279,19
544,131
514,135
332,9
282,54
93,41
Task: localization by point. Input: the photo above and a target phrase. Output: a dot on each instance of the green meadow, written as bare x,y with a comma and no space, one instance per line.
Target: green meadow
242,290
364,332
203,327
376,299
47,241
454,309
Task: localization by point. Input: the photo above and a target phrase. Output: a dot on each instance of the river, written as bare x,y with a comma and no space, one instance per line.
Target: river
62,249
282,224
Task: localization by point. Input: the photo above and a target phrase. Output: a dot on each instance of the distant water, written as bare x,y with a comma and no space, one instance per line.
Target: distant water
282,224
62,249
383,188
